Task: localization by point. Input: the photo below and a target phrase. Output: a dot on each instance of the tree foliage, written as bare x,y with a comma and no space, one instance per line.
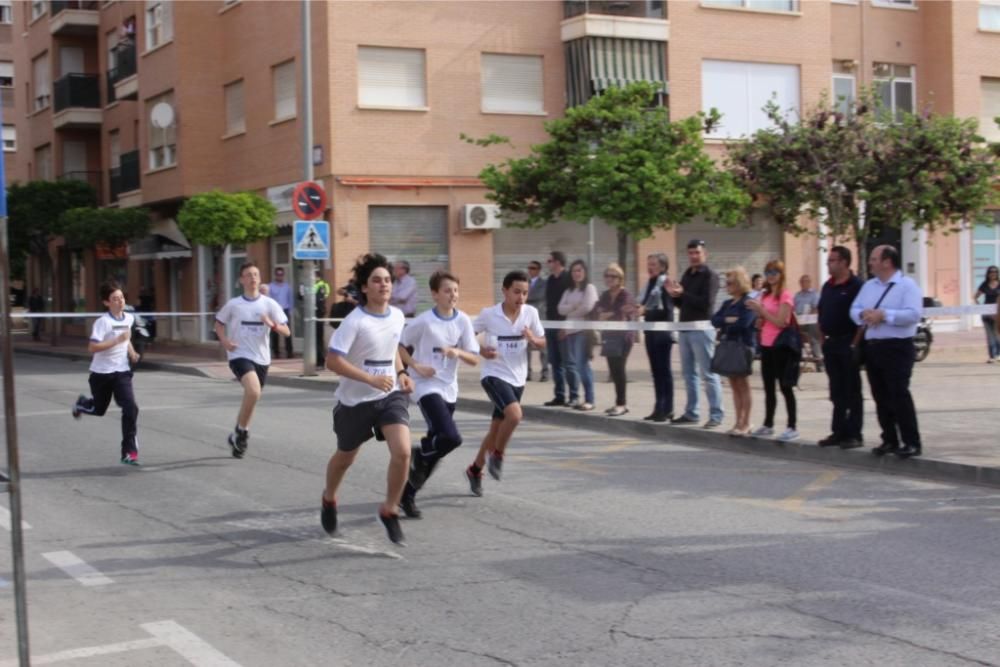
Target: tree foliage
858,172
221,218
35,215
83,227
619,159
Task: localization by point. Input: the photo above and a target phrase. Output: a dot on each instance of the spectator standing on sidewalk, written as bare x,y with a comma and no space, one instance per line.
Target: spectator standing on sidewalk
281,291
36,304
404,292
775,312
889,306
735,321
695,295
806,301
557,283
536,299
837,330
616,305
576,304
658,306
990,289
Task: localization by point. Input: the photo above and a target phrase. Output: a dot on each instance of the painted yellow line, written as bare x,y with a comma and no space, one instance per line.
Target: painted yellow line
797,499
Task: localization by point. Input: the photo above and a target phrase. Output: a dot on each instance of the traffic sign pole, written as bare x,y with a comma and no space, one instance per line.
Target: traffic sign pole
309,298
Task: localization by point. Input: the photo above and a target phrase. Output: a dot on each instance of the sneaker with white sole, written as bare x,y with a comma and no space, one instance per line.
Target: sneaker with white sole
763,432
789,435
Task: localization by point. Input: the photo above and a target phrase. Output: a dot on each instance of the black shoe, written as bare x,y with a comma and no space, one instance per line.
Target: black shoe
328,517
830,441
494,464
238,442
908,452
555,403
884,449
851,443
419,470
683,419
76,406
651,416
662,418
392,529
544,378
475,481
408,503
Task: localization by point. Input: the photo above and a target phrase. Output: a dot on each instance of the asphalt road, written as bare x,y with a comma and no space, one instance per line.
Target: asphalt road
594,550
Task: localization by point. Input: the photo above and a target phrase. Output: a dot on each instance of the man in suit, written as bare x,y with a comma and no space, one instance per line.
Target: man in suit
536,298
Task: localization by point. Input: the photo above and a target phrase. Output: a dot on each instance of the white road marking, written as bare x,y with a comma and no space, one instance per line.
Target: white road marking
88,652
189,645
296,525
5,519
72,565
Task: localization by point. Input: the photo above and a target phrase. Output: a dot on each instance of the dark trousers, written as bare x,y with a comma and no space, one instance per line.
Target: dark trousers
889,364
773,362
104,386
320,343
556,350
288,339
442,433
845,388
659,344
616,366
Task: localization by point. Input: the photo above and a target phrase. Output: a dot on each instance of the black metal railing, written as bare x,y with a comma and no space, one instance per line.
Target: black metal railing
77,90
651,9
57,6
110,87
125,177
125,62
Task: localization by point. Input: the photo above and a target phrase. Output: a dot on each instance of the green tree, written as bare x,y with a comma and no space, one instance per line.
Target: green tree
83,227
620,159
221,218
35,216
861,175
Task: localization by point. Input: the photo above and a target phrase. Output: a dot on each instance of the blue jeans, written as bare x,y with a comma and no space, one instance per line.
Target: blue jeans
579,351
563,369
992,339
696,360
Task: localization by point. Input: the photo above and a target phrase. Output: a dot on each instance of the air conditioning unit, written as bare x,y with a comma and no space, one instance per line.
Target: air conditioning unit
480,216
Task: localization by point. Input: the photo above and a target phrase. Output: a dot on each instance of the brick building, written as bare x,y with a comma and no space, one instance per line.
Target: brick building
153,101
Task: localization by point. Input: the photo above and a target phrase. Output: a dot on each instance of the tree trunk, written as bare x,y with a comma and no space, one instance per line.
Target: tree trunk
623,251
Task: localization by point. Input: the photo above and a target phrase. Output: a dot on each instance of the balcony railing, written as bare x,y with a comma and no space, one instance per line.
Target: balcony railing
650,9
125,177
125,59
77,90
57,6
111,86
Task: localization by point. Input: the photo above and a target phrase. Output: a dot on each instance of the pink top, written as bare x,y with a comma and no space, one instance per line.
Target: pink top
771,304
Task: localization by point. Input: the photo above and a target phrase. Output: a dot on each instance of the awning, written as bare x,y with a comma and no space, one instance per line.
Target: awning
598,63
165,241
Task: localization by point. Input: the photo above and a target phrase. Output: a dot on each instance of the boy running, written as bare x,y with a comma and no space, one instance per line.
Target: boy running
439,338
509,327
110,375
243,327
372,395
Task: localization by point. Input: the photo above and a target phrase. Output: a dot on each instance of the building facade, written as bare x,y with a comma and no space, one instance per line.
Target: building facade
154,101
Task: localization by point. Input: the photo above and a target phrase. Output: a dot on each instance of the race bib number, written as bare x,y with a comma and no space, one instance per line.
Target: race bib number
373,367
510,346
439,361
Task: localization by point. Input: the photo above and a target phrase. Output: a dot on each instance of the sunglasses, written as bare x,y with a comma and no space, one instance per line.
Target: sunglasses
772,272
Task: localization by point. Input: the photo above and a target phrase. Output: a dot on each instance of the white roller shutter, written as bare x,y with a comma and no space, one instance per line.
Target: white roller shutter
391,77
512,83
418,234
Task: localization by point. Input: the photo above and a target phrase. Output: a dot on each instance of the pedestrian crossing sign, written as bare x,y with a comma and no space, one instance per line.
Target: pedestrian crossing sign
311,240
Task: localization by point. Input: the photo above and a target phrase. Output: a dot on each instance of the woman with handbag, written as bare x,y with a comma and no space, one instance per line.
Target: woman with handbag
733,356
576,304
778,337
616,305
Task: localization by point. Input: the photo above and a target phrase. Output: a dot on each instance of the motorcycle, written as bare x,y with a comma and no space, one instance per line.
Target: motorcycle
143,332
924,337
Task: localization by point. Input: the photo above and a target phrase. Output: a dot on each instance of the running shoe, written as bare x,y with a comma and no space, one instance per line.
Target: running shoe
393,529
408,503
494,464
789,435
328,516
763,432
238,442
76,406
131,459
475,481
418,469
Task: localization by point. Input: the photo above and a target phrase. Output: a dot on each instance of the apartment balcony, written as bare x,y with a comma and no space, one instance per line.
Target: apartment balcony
74,17
77,102
124,180
123,82
622,19
647,9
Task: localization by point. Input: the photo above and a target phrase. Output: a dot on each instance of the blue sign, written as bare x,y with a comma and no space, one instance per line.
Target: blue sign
311,240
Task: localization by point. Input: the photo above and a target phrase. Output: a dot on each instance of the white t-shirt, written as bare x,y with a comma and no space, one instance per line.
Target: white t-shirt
369,342
115,358
429,334
511,363
241,316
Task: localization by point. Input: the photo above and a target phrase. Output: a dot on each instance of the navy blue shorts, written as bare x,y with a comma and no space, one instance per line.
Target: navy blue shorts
501,393
240,366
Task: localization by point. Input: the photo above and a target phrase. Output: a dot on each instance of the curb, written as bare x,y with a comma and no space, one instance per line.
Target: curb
857,459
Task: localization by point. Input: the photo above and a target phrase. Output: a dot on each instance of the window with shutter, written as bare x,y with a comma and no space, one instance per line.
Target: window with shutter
283,81
235,118
512,84
159,23
42,87
989,109
6,74
162,146
9,138
741,90
896,88
989,15
393,78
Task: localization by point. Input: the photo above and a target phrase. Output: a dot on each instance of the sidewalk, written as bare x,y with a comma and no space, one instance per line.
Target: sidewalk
955,391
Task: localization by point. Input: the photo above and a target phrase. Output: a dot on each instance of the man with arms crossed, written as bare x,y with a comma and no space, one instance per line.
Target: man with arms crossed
242,327
508,328
439,337
372,396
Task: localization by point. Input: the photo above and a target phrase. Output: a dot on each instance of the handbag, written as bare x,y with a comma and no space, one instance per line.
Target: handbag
790,336
858,344
732,359
613,346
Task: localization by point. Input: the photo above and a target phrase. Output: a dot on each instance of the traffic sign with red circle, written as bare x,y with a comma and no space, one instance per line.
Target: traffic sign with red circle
309,200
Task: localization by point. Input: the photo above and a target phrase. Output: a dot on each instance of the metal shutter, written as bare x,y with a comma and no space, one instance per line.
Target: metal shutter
418,234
